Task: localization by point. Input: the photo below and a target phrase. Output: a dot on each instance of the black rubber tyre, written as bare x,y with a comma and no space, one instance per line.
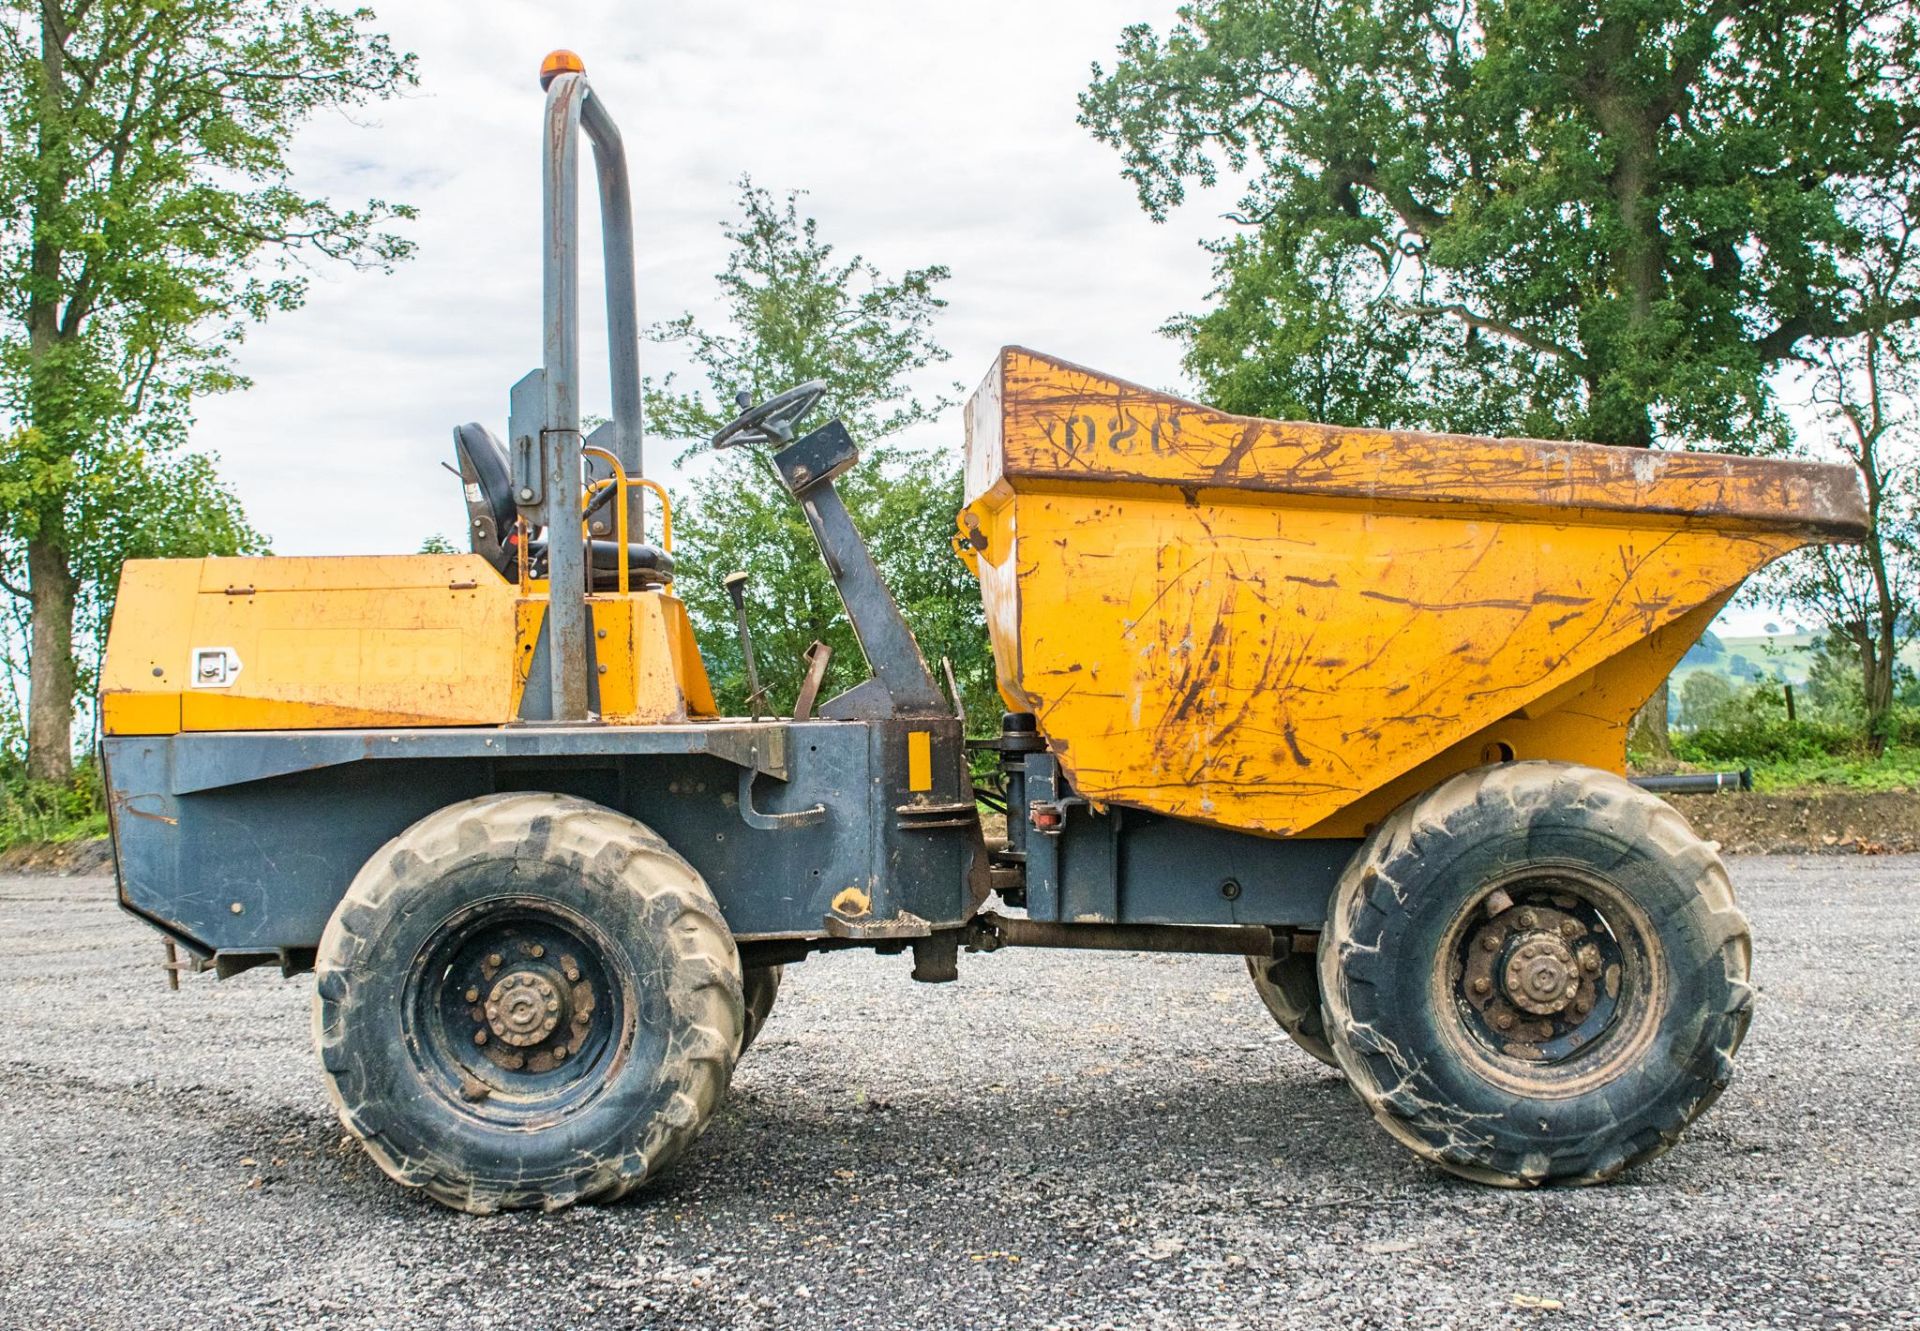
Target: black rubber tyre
759,985
1290,987
1548,885
527,1000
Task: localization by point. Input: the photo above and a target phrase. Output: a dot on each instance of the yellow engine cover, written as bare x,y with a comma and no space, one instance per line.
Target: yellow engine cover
366,641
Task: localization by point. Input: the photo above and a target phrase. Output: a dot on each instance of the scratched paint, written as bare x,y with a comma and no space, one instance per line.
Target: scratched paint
1262,624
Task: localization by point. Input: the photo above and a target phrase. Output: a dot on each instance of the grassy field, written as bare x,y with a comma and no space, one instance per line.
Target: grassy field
1896,770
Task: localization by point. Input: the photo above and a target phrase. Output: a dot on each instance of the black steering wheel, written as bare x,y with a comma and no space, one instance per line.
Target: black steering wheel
772,421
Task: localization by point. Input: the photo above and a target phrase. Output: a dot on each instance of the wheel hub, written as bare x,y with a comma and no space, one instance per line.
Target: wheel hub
523,1008
1542,975
1539,978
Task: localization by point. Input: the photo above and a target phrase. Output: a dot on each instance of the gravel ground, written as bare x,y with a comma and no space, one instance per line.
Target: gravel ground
1057,1140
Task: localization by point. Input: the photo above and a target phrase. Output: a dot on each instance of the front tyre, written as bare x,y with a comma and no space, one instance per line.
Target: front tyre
1535,973
527,1000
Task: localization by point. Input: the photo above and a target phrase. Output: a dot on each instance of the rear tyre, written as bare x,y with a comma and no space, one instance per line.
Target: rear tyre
1290,987
759,985
527,1000
1535,973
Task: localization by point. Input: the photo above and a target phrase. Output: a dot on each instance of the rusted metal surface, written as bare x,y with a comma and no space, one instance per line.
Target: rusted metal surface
1064,423
1540,981
818,657
530,1007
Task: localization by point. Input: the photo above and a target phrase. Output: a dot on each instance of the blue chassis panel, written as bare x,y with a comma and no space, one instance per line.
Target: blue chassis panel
243,842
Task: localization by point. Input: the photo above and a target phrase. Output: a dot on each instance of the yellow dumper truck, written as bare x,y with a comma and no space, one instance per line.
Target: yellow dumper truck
1346,703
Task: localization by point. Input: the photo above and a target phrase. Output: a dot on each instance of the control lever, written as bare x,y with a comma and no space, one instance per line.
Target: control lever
736,585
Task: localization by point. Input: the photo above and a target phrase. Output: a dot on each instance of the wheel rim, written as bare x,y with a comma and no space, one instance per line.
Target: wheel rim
1550,980
514,1012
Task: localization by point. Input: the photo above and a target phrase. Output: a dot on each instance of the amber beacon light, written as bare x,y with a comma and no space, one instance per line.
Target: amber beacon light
558,63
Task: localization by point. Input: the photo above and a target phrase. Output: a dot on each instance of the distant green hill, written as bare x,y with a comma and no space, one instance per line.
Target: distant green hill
1784,657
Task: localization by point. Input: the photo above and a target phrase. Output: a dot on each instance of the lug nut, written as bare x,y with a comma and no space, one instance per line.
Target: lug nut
1504,1021
537,951
473,995
479,1037
1528,919
1584,1006
1491,943
494,959
1589,961
1569,927
573,975
1483,985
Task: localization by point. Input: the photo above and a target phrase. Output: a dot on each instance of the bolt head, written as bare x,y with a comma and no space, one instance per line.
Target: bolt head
1483,985
537,950
1528,919
1570,928
573,975
479,1037
473,995
1491,943
1583,1006
494,959
1504,1021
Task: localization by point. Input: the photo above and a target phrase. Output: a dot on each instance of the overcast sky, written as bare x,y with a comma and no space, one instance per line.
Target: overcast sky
922,134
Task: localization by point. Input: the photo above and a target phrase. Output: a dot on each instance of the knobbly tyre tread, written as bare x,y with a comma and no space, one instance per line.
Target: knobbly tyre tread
759,985
1368,895
703,992
1303,1021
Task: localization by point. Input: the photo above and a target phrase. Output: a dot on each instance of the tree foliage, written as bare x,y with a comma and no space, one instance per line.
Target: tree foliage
147,216
1620,216
1865,599
795,312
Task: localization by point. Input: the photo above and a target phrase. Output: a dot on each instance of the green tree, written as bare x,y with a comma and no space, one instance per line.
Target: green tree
1865,599
147,216
1608,219
1702,696
796,312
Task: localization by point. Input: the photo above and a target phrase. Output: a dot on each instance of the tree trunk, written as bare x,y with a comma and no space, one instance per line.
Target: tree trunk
51,585
1877,670
1648,731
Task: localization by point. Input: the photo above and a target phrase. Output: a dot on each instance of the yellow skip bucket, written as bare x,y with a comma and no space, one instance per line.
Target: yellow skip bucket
1290,628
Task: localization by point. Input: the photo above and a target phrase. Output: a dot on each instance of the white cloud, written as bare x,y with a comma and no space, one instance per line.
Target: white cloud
922,133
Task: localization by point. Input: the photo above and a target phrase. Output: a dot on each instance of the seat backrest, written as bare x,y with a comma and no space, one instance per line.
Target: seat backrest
488,484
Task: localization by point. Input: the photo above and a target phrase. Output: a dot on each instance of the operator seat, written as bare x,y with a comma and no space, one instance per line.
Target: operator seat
487,480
